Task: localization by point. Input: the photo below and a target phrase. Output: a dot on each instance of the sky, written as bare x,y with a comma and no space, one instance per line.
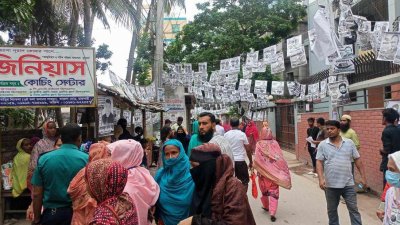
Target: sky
119,38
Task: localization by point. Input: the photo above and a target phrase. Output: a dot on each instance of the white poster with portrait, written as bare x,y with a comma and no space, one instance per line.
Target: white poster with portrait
244,85
279,65
260,87
313,89
277,88
393,104
389,44
299,59
117,114
128,116
234,65
203,67
339,93
138,118
294,88
269,54
294,45
106,115
252,59
323,86
260,68
344,65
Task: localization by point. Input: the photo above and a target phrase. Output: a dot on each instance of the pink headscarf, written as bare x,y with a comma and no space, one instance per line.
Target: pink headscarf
141,186
266,134
251,129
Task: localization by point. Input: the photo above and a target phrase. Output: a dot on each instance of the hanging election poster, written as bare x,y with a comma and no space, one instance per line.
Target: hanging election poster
187,68
47,77
303,92
277,88
294,88
323,86
339,93
252,59
269,54
314,91
376,38
279,65
128,116
244,85
260,68
247,72
260,87
345,64
138,118
299,59
224,66
117,115
389,44
294,46
234,65
161,94
106,116
203,67
397,57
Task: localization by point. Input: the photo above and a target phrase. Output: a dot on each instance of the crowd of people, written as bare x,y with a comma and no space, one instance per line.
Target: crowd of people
202,177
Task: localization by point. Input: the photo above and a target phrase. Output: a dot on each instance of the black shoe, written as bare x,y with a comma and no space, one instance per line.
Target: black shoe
273,218
265,209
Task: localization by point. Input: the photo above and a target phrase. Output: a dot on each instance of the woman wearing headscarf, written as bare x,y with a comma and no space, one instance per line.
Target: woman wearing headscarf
141,186
272,169
176,184
181,135
106,181
391,211
194,140
219,198
252,134
19,171
44,145
83,204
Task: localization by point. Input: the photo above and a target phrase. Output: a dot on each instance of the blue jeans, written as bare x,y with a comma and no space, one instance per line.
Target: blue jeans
332,199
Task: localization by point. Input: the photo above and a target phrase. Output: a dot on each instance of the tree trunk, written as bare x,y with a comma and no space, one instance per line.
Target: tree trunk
150,14
130,77
74,20
87,23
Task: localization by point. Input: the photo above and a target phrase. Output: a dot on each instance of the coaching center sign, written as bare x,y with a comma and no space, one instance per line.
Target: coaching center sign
47,77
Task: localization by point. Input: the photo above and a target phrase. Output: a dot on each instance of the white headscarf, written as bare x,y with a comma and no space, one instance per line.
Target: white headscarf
396,158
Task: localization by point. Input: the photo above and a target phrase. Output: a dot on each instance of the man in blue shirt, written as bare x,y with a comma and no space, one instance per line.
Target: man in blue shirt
52,176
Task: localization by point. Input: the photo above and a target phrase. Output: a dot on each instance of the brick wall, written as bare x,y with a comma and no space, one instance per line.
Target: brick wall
368,126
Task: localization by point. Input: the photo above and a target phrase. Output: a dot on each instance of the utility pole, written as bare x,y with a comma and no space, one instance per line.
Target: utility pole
159,45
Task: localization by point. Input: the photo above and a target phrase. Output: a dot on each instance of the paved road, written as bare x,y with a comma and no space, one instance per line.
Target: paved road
305,203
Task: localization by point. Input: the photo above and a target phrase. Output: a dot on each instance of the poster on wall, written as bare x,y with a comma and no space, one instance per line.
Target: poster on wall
117,114
393,104
106,116
128,116
40,77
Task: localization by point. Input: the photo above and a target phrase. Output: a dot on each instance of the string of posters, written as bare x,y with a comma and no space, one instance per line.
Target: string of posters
224,86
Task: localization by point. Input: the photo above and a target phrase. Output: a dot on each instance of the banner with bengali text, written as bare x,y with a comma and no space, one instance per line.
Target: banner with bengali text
47,77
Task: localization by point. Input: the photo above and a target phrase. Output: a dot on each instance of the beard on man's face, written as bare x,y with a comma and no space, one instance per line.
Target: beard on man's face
344,127
205,138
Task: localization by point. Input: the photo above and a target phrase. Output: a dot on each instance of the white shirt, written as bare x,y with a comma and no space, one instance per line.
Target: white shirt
220,130
224,145
237,139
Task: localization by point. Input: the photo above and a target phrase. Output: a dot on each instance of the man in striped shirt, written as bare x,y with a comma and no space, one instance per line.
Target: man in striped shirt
334,170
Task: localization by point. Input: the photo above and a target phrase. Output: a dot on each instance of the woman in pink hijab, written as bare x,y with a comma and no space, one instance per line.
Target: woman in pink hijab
272,169
141,186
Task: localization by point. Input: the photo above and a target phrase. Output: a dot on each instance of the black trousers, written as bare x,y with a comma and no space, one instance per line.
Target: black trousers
57,216
242,172
313,155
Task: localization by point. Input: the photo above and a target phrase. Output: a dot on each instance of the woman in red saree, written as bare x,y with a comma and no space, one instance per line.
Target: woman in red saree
272,169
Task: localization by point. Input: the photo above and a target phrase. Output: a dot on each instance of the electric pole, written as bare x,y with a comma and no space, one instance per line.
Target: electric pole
159,45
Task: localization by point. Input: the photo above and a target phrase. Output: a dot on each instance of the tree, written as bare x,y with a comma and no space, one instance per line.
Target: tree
233,27
103,54
144,60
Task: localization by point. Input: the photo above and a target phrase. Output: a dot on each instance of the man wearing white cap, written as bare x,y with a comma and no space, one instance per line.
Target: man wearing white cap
347,132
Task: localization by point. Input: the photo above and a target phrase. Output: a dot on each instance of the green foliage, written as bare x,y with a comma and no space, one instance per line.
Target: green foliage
144,60
233,27
20,118
103,54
